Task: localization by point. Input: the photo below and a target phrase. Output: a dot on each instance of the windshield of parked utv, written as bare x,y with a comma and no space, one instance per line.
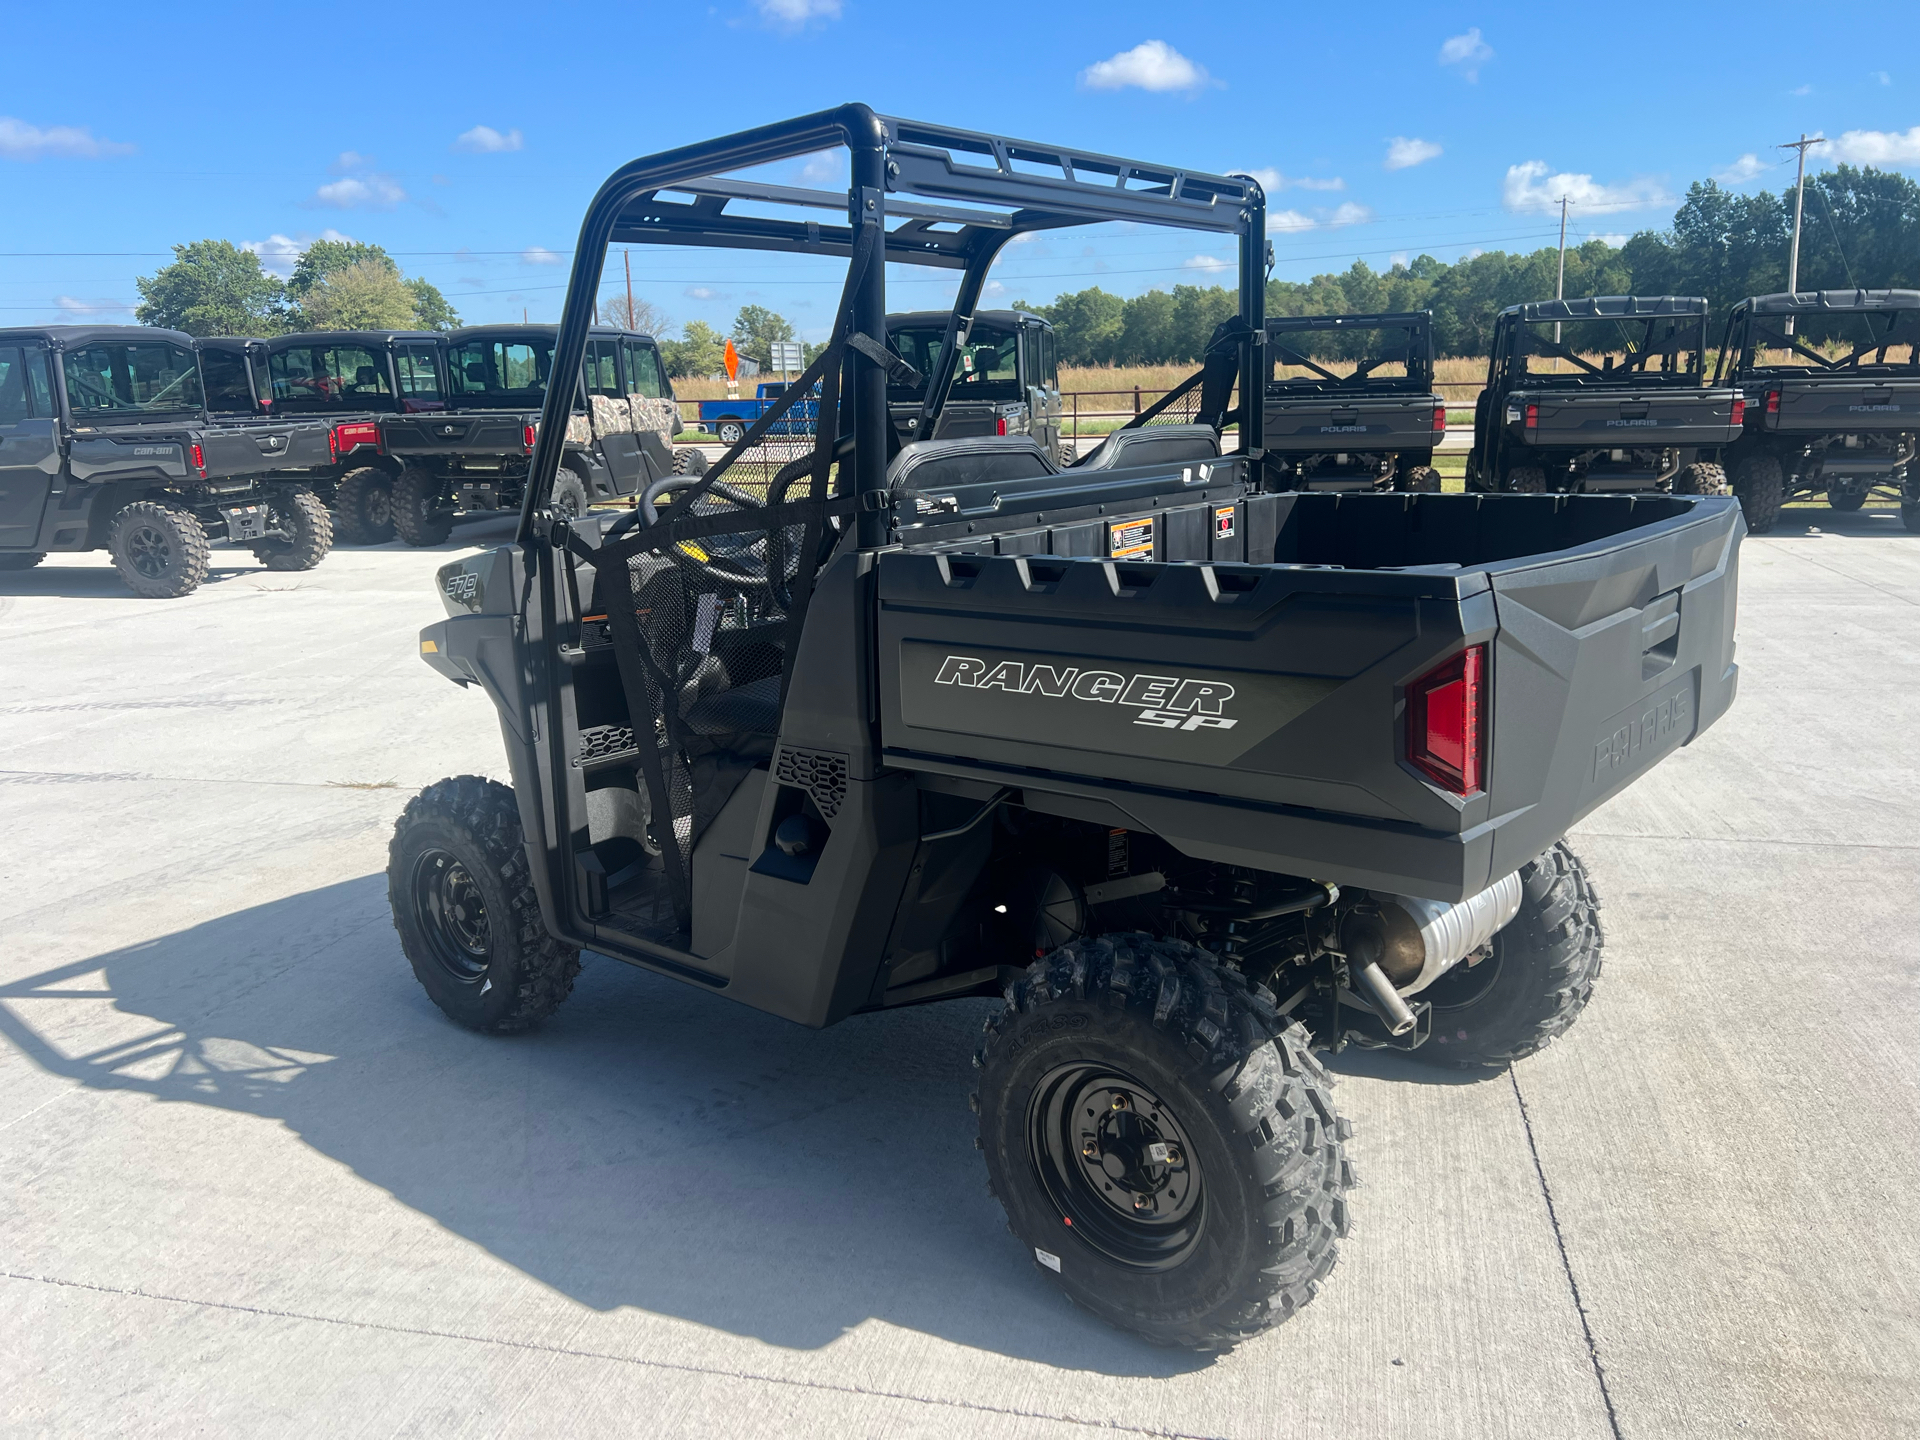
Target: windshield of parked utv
329,377
987,368
507,373
1651,349
1860,340
112,379
1347,357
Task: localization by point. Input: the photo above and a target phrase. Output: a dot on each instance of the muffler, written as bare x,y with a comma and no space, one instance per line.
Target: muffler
1410,942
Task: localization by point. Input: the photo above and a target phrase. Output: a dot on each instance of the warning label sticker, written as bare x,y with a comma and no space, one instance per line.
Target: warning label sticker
1223,523
1131,539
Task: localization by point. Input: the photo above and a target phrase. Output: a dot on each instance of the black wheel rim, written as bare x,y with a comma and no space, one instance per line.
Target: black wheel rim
568,504
1117,1164
452,915
377,506
1464,984
150,552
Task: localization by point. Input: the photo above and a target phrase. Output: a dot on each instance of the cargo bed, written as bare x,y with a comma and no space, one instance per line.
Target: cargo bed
1608,621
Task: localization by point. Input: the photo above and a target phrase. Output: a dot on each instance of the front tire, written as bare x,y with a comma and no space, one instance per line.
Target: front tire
419,518
1526,480
569,498
1164,1145
1761,489
689,461
464,904
732,432
304,520
1536,982
159,549
363,506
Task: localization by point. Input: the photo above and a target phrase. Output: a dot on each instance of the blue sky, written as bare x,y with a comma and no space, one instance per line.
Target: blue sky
468,139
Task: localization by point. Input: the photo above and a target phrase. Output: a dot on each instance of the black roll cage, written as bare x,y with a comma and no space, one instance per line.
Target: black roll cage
1514,339
1419,357
1748,325
678,197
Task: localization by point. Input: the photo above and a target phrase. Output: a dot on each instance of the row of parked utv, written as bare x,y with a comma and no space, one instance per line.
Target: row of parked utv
152,445
1812,393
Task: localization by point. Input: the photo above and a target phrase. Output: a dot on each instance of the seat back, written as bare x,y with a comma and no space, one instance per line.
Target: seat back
1154,445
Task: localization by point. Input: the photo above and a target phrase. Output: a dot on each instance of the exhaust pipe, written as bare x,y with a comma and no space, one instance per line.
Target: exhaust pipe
1413,942
1373,986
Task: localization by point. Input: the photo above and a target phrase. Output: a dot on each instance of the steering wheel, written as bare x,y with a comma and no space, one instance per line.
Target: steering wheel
738,559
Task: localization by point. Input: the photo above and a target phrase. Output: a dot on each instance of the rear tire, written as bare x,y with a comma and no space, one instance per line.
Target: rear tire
1526,480
1419,479
1700,479
1536,982
1758,483
732,432
464,904
301,515
1110,1049
418,516
363,506
159,549
690,461
22,561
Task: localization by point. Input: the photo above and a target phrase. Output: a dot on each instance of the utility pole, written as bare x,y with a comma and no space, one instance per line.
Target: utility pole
1803,144
1560,284
627,255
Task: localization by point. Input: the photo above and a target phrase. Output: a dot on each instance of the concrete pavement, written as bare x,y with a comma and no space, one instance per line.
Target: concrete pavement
252,1182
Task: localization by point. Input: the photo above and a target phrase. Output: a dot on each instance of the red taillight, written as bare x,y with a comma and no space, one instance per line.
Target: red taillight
1000,425
199,457
1439,418
1773,402
1446,722
526,437
356,433
1533,417
333,446
1739,412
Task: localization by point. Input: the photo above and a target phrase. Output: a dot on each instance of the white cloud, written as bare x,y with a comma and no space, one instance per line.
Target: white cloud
825,166
1801,90
280,253
1742,170
68,305
1151,65
538,255
1468,51
373,192
1883,77
1397,259
1209,263
1405,151
485,140
1289,220
1530,187
1877,147
1614,238
1273,182
350,160
994,287
21,141
698,292
1350,213
794,13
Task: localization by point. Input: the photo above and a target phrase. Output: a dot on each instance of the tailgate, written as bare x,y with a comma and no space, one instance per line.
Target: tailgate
265,448
1608,419
1608,658
1844,405
1359,422
485,432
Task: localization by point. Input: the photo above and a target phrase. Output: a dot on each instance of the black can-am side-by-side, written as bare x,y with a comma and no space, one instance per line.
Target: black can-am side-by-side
473,455
1846,422
1350,402
1193,775
1605,395
106,443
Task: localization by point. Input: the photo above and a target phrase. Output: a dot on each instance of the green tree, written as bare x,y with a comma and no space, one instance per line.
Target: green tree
755,328
431,309
213,288
1088,325
697,355
365,295
324,260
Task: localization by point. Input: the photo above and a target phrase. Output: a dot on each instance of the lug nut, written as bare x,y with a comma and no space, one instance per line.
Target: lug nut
1143,1202
1091,1149
1121,1102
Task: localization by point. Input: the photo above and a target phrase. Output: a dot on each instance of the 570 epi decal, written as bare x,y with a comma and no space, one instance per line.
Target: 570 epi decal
1168,702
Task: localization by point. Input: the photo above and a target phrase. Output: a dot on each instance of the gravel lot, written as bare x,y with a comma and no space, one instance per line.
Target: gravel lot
252,1182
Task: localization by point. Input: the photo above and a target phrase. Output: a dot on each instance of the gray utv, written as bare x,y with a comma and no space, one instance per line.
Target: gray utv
1193,777
1831,380
1350,402
106,444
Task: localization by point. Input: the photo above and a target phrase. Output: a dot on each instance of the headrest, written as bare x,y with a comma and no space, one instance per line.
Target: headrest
1154,445
968,460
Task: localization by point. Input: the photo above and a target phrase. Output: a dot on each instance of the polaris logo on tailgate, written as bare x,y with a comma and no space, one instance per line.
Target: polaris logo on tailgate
1632,424
1166,701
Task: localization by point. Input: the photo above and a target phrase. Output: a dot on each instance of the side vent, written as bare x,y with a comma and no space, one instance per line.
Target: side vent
821,773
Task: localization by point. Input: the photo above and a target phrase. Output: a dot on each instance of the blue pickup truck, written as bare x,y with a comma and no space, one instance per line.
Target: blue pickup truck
729,419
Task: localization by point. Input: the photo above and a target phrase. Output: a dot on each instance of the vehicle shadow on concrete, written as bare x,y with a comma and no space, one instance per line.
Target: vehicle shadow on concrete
102,582
1799,522
1402,1069
651,1145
